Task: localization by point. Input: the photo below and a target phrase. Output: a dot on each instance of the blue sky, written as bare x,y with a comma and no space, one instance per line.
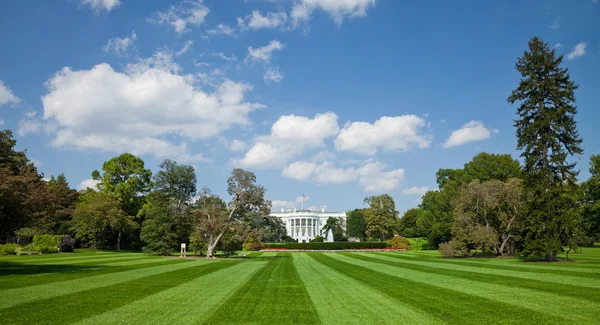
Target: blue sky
334,99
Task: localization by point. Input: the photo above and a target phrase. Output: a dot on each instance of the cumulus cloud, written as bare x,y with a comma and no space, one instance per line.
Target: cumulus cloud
280,204
264,53
101,5
7,96
222,56
272,74
338,10
415,190
182,15
221,29
290,136
399,133
469,132
237,145
148,109
121,46
371,175
578,51
257,21
88,183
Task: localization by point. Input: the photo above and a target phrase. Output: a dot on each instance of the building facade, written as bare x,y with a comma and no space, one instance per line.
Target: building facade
305,225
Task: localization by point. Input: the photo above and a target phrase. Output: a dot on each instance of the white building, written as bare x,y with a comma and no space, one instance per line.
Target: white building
305,225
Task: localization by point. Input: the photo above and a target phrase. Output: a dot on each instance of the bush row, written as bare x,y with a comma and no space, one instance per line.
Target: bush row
44,244
327,246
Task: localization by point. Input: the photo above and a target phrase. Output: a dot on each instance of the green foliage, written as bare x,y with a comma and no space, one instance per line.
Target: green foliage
328,246
381,216
252,244
400,243
66,244
591,200
159,229
356,226
453,248
408,226
94,214
177,182
46,243
9,249
25,235
547,135
318,239
337,228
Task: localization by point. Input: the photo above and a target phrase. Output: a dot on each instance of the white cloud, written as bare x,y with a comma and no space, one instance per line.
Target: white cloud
338,10
557,45
290,136
221,29
371,175
1,122
257,21
186,47
121,46
469,132
278,205
264,53
183,15
415,190
7,96
398,133
555,25
99,5
222,56
272,74
237,145
148,109
88,183
578,51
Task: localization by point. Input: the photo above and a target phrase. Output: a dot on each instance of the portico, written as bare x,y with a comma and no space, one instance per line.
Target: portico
305,225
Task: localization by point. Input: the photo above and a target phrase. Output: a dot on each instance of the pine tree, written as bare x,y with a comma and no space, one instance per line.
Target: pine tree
547,135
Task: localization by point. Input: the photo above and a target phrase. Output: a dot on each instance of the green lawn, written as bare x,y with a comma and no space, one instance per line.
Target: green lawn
297,288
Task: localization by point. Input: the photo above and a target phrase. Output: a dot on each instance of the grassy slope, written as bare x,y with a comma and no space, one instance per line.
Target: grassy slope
284,288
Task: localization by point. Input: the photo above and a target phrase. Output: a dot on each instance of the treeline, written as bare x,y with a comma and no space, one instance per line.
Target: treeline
496,206
131,208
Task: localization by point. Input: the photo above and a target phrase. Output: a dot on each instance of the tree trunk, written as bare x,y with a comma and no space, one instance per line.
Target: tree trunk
504,242
119,241
95,243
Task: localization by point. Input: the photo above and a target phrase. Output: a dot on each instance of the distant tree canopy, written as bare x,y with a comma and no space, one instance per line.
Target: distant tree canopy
380,217
356,226
337,226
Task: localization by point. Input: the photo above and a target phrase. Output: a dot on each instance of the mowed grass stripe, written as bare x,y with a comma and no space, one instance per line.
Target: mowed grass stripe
21,276
56,258
340,299
565,284
521,267
14,297
188,303
449,305
537,302
84,304
275,294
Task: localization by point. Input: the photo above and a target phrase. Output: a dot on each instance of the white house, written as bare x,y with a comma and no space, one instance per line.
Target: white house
304,225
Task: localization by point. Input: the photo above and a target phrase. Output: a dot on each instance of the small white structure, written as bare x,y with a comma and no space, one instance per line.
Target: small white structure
305,225
182,253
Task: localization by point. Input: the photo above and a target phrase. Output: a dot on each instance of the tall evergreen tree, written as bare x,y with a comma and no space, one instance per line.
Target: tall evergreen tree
547,135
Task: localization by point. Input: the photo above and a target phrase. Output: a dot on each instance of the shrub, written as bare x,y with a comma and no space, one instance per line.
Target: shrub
9,249
328,246
46,243
318,239
254,246
66,244
453,248
400,242
24,235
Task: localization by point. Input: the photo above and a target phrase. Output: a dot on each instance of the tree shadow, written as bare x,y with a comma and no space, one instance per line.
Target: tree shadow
11,268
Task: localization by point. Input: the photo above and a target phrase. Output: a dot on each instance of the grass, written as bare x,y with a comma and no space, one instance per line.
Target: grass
297,288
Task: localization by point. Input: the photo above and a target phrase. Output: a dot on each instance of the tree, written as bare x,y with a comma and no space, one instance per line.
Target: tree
591,200
125,178
381,216
214,220
407,226
94,213
337,228
547,135
177,182
488,215
158,229
62,204
356,226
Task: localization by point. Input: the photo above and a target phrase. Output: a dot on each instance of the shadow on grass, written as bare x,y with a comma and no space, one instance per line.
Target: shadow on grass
11,268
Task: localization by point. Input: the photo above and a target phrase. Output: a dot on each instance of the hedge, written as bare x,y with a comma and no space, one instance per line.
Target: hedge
327,246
